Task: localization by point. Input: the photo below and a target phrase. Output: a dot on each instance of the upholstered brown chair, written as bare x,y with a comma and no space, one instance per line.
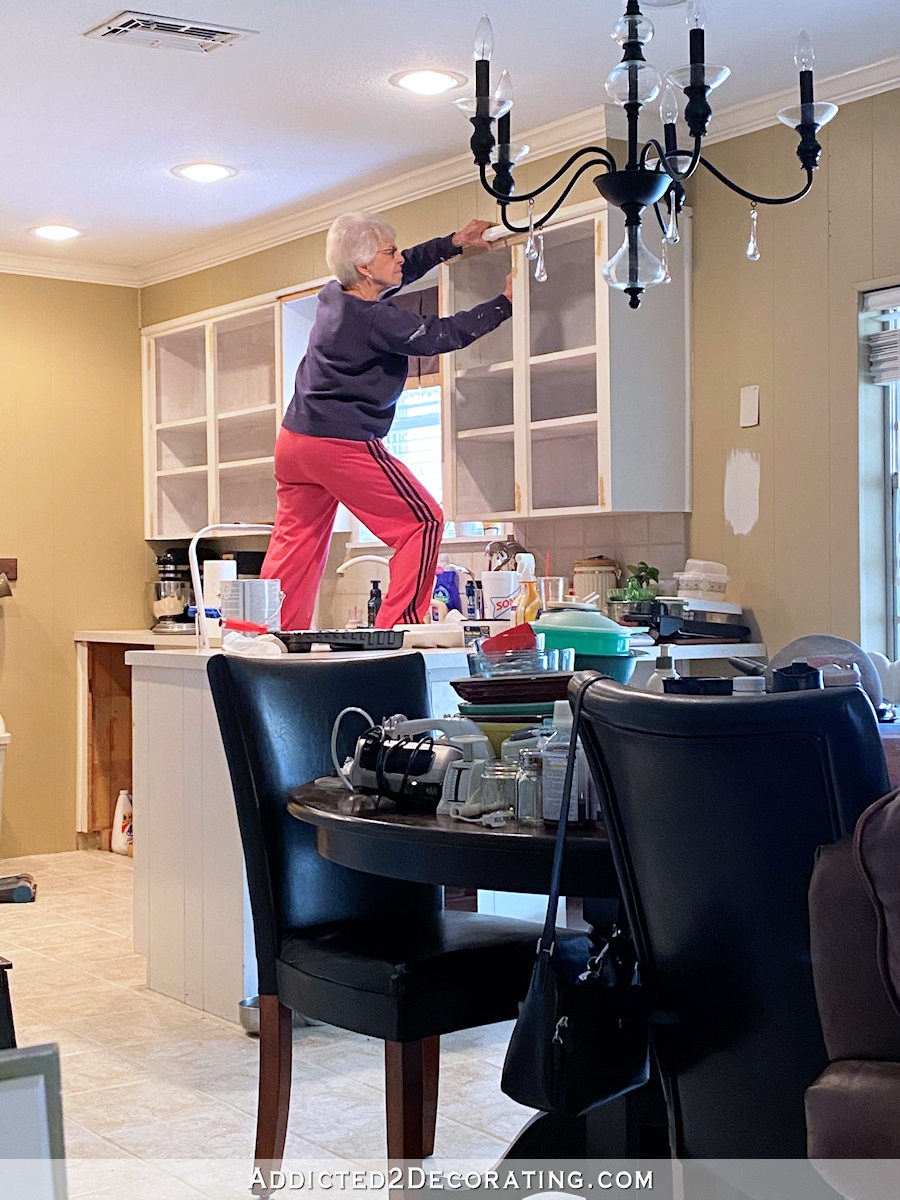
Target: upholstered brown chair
365,953
853,1108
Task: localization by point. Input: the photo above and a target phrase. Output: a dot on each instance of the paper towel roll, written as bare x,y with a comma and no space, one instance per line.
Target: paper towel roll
214,571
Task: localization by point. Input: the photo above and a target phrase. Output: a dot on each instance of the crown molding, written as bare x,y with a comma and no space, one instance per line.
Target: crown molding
43,268
857,84
565,134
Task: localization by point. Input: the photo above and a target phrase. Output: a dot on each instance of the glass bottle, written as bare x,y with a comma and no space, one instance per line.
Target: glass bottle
529,788
498,786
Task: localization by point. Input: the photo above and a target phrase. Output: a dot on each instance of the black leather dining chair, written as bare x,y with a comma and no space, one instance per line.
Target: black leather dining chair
369,954
715,808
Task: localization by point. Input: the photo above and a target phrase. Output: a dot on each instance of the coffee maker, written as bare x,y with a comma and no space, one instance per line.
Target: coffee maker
172,594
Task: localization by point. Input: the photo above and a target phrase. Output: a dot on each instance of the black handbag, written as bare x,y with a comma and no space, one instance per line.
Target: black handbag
582,1036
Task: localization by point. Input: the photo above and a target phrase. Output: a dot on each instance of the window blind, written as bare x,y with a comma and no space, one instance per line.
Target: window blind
884,356
884,347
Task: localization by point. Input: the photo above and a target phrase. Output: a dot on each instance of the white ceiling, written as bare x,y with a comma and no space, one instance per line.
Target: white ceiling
89,130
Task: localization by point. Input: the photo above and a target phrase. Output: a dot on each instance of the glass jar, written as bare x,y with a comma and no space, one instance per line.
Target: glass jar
498,786
529,788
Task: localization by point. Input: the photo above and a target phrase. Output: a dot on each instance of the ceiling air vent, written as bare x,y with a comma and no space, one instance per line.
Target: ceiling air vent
166,33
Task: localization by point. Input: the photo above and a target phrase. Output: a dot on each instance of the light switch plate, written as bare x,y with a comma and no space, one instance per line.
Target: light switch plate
749,406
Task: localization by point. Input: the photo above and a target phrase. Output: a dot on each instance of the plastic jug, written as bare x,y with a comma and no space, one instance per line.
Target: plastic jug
122,824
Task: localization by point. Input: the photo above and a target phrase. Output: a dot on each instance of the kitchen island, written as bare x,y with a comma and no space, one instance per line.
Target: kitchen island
191,910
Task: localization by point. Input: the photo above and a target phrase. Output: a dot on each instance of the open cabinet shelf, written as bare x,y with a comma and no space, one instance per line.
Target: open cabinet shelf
577,404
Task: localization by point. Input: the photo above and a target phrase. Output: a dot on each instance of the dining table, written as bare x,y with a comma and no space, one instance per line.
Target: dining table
371,834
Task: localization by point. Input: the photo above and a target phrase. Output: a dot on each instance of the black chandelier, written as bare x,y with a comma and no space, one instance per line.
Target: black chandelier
654,172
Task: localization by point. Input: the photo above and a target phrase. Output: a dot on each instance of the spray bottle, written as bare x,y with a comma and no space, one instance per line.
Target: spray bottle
528,605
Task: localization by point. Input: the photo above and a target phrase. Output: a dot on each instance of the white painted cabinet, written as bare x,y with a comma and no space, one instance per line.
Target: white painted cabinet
577,404
215,390
212,404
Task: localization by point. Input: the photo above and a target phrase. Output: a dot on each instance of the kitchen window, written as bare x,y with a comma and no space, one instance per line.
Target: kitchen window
415,438
880,473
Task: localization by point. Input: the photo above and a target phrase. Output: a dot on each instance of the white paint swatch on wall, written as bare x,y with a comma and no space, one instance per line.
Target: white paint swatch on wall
741,500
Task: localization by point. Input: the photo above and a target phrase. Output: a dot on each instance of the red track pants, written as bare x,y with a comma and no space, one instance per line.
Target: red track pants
313,474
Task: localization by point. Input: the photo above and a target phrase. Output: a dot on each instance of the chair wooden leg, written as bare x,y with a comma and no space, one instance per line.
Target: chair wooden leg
431,1069
411,1086
274,1102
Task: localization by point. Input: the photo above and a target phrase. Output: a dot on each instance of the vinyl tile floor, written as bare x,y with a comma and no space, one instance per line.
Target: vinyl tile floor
159,1099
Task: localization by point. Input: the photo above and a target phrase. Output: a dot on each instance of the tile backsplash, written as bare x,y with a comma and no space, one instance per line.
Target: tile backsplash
658,538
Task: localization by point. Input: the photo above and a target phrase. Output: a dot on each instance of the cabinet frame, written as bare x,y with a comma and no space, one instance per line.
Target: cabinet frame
210,323
614,493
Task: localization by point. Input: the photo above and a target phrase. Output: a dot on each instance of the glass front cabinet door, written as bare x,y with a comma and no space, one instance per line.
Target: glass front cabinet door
577,404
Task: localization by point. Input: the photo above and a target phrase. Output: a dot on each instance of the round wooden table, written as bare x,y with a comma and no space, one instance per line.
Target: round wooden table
368,834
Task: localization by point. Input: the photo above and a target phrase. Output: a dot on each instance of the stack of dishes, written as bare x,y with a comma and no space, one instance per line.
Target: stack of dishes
515,689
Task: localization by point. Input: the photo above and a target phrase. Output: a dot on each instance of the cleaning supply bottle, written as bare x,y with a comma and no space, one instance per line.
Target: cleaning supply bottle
471,603
122,824
665,669
555,753
374,601
528,605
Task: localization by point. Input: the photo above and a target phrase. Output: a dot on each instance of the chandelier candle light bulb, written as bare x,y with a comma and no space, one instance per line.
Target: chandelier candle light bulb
484,48
804,60
653,174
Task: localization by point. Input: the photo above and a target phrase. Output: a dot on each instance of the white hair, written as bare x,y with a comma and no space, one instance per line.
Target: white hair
353,239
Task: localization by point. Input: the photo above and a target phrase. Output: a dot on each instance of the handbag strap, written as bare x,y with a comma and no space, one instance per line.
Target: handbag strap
548,933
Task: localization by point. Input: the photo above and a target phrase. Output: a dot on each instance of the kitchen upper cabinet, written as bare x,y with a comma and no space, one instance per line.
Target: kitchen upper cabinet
212,405
577,404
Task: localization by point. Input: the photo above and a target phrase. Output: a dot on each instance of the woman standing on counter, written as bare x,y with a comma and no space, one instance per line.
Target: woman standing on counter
329,448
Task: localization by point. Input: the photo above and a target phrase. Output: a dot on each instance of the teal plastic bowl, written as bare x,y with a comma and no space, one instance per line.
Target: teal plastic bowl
596,642
619,667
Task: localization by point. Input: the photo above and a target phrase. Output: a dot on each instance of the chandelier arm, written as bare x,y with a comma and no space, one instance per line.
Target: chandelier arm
751,195
664,156
608,161
505,200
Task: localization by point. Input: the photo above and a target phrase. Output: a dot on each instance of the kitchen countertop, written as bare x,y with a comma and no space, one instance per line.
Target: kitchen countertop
192,657
138,637
189,658
184,646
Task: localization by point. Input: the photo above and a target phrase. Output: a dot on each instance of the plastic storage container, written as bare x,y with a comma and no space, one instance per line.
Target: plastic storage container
702,580
585,632
599,643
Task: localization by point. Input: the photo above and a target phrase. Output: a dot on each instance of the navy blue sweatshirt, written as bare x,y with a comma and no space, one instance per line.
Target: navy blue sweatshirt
357,359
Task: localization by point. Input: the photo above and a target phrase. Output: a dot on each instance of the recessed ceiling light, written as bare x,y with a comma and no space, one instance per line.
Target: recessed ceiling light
427,82
56,233
204,172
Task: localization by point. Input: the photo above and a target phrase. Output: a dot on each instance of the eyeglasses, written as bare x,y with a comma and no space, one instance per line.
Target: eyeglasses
390,251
